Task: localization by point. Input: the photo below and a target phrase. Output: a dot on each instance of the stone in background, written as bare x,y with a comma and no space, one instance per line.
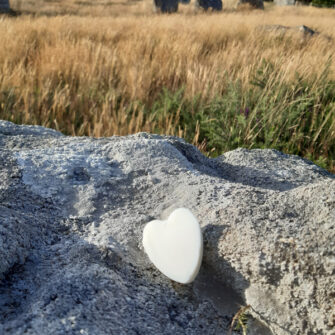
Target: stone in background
284,2
4,6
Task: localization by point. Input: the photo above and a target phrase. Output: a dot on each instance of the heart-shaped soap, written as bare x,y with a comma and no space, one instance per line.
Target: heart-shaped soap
175,245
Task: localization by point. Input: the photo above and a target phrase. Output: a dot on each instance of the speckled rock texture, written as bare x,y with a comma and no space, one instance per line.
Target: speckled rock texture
72,212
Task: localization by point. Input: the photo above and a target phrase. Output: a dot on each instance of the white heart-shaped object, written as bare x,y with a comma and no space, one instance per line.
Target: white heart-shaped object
175,245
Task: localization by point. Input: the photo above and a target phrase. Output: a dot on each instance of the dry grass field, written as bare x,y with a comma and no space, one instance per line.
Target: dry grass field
103,68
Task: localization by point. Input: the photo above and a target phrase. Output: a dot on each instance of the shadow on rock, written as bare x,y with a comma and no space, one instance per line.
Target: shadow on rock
221,284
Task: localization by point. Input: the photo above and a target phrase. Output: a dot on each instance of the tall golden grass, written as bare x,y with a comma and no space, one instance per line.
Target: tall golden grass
79,72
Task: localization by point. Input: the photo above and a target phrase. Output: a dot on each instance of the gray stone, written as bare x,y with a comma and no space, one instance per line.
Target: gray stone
305,30
284,2
277,28
72,212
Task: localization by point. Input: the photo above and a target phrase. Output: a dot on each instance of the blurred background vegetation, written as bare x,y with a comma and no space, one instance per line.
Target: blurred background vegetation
219,80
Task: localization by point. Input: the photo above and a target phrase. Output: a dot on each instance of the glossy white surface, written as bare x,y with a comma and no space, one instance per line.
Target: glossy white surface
175,245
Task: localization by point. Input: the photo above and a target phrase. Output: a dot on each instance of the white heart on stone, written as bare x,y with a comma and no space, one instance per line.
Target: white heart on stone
175,245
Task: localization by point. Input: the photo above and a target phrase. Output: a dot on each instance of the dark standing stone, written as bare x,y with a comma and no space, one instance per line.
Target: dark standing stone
206,4
4,6
166,6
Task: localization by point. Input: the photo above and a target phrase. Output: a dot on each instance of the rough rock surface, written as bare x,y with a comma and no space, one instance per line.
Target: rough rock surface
72,211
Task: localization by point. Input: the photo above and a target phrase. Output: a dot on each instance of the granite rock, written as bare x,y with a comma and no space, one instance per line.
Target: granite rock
72,212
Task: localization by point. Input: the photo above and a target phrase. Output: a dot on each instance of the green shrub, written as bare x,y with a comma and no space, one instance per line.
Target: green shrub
323,3
296,117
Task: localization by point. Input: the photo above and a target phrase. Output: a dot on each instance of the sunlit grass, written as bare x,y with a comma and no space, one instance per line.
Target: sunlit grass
215,79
